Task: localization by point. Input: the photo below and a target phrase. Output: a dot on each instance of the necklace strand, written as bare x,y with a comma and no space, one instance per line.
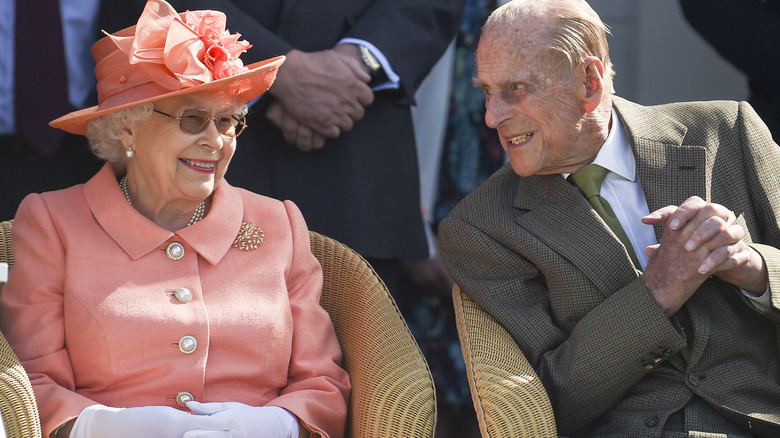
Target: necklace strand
197,215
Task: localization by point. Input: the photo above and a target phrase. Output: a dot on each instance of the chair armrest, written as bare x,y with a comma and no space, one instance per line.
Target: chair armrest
508,396
17,400
393,393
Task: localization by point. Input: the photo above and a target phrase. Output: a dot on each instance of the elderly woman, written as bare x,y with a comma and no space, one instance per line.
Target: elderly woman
156,300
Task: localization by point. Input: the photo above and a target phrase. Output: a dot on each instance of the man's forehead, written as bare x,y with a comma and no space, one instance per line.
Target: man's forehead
505,63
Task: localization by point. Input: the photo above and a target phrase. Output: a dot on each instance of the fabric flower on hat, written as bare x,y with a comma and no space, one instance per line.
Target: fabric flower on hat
222,47
181,51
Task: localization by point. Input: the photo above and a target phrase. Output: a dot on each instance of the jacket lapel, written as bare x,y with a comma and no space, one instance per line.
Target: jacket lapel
670,172
557,214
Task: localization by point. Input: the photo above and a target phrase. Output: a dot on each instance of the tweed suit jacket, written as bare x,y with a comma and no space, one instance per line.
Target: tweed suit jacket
533,253
363,187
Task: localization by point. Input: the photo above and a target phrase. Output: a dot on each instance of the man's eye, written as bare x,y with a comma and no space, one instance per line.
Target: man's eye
516,87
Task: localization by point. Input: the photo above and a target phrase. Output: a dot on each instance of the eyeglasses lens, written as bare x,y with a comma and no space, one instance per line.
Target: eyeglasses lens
195,121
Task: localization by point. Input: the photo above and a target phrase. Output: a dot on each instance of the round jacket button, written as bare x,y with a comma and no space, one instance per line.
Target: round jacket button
693,379
652,421
175,251
183,294
183,397
188,344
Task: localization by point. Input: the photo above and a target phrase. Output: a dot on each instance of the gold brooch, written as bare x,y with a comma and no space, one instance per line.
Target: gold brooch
249,238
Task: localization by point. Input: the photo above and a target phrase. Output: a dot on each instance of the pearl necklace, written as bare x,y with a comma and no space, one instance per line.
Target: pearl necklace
197,216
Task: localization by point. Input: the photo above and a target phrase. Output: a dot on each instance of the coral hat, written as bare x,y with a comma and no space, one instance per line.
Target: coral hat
168,54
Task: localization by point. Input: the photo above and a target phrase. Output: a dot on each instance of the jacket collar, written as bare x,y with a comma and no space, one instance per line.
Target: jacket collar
137,236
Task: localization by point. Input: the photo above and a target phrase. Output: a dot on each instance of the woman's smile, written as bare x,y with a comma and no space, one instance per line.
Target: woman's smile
203,166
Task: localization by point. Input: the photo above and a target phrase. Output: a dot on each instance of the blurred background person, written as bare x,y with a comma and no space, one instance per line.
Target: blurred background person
35,156
746,33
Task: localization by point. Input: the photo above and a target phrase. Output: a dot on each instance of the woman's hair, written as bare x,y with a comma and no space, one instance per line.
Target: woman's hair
576,30
105,132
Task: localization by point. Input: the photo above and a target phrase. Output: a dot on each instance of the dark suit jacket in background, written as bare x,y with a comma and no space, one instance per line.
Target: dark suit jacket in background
747,34
534,254
362,188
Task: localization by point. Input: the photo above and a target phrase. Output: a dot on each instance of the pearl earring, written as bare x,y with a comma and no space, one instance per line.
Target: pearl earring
130,152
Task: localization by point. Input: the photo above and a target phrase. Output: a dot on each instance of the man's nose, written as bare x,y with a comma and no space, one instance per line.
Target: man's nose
496,111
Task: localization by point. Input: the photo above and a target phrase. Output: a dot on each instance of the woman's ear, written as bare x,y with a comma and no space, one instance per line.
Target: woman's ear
593,70
127,139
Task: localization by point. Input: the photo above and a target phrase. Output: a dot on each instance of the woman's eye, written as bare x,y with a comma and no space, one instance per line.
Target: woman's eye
193,119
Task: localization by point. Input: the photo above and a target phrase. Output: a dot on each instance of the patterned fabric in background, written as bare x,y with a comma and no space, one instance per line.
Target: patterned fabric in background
472,151
470,154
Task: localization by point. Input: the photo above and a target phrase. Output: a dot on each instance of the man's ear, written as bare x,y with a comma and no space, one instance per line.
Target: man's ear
593,77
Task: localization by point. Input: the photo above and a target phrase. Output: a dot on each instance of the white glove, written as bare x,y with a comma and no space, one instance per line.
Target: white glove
99,421
251,422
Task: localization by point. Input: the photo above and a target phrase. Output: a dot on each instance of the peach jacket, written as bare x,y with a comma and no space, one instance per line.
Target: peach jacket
90,307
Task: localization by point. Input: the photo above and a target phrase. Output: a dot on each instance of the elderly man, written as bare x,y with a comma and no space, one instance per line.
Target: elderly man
651,308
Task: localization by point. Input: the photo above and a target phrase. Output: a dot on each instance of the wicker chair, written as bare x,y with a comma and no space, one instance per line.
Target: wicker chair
392,387
17,401
509,398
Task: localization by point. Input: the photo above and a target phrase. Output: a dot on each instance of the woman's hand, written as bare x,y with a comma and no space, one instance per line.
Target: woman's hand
100,421
266,422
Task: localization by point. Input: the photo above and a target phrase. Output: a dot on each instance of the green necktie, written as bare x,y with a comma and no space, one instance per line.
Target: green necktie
589,180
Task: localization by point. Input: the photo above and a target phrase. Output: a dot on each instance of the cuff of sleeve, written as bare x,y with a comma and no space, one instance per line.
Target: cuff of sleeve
393,81
761,302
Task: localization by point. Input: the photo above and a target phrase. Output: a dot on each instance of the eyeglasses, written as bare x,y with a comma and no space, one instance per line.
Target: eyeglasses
195,121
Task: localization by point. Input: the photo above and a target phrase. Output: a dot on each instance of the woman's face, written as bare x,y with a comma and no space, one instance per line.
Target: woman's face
170,164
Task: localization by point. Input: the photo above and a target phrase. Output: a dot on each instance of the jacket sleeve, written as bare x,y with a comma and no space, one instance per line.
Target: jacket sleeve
318,388
761,161
412,34
32,307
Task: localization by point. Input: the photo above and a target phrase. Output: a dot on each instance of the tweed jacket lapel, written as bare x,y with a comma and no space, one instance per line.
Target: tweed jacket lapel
670,172
556,213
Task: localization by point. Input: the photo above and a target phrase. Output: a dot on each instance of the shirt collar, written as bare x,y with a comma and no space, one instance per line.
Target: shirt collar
615,154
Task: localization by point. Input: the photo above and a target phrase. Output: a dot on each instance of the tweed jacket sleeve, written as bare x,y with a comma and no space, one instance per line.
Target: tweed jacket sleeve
534,255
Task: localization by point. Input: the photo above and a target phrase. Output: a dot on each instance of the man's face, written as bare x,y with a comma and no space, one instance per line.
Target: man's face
531,100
